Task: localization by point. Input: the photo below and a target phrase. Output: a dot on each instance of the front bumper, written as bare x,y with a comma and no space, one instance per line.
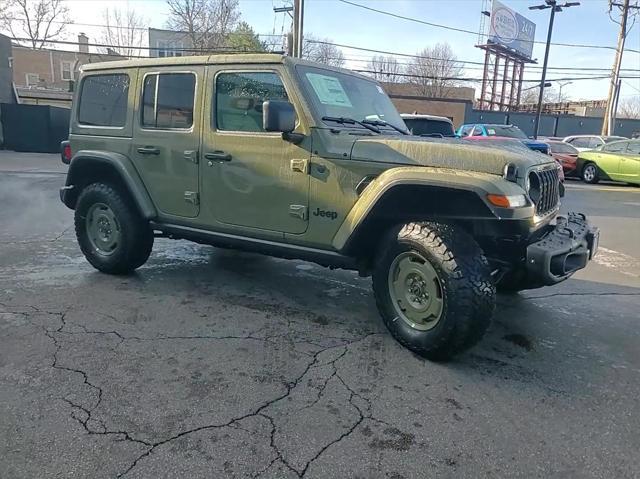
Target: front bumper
566,248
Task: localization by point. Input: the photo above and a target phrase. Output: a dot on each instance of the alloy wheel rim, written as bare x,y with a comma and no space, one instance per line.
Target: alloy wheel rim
416,291
103,229
589,173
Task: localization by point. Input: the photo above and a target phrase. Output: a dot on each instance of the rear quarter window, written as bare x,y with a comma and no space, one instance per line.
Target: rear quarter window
104,100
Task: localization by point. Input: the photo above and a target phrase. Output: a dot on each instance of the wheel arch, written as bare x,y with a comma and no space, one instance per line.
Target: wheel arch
88,166
397,205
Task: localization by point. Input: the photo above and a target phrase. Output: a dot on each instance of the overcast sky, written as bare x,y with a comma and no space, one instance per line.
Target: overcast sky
586,24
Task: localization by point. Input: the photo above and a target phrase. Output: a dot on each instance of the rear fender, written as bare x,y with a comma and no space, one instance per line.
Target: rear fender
90,166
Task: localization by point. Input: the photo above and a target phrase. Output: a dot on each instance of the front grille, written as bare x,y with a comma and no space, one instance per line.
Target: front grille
544,190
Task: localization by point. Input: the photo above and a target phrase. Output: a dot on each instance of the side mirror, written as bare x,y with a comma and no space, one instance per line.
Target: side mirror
278,116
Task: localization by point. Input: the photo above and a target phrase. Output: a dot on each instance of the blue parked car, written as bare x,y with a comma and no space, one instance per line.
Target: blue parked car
480,131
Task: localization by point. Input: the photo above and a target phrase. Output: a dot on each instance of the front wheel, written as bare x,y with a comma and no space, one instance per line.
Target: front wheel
433,289
590,173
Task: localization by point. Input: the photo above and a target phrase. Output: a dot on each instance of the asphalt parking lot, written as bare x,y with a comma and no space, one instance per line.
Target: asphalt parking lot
213,363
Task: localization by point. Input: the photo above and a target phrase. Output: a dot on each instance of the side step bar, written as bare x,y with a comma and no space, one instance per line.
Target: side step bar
331,259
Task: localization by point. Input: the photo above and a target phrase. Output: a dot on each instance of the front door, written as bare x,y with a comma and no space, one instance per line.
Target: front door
167,135
630,162
609,159
252,179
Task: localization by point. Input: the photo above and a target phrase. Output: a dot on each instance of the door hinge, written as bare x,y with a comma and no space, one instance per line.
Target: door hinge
300,165
299,211
191,155
192,197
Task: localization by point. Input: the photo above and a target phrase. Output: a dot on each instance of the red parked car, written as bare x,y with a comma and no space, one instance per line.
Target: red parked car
566,155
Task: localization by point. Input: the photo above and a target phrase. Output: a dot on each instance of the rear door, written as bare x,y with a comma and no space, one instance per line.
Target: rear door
167,136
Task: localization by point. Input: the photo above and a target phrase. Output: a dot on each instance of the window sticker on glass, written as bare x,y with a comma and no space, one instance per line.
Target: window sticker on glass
491,132
329,90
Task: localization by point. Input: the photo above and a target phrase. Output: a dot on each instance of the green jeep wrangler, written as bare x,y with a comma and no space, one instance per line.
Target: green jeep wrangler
298,160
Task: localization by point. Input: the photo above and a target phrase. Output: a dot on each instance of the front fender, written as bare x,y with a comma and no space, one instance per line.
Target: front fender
89,166
474,186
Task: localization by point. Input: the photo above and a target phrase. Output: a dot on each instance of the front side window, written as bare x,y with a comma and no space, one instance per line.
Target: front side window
239,99
633,148
103,100
583,142
167,100
617,147
562,148
336,95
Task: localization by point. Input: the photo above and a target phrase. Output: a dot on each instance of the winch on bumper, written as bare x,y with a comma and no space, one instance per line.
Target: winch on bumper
567,247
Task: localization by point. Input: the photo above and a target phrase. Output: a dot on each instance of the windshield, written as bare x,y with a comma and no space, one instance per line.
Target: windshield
506,130
340,95
426,126
560,147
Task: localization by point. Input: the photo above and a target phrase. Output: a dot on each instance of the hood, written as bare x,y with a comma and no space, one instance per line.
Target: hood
489,157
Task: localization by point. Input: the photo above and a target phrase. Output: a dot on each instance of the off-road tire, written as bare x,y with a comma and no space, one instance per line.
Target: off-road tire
592,180
135,233
468,291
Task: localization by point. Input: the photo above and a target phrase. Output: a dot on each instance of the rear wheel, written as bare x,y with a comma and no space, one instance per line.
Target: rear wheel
590,173
433,288
111,233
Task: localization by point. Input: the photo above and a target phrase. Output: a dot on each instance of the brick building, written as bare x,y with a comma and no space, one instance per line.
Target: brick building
46,76
407,99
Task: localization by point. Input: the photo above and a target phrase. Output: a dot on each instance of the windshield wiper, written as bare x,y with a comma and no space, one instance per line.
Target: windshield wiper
385,123
350,121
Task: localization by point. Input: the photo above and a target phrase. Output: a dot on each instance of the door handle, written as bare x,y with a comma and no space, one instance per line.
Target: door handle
218,156
148,150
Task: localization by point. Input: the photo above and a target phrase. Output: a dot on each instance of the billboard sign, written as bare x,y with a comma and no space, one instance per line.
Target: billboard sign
511,30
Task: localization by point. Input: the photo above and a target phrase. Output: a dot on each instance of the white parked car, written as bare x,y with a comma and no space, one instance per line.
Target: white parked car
429,125
590,142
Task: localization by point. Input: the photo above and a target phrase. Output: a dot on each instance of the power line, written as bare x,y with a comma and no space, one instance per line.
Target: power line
462,30
119,27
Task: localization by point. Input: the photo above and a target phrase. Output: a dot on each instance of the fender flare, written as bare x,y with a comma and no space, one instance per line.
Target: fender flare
120,165
479,184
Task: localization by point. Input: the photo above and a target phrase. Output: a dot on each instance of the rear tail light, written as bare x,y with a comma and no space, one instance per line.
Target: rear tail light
65,152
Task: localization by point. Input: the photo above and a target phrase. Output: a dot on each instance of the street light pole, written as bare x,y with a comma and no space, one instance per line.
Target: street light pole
553,5
562,85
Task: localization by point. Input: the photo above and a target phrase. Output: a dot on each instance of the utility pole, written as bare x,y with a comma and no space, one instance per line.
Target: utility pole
298,23
609,116
553,5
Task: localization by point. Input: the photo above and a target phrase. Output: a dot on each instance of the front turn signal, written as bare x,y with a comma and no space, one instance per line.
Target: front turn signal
511,201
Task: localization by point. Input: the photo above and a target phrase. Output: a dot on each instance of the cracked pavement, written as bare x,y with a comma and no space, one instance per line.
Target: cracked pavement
213,363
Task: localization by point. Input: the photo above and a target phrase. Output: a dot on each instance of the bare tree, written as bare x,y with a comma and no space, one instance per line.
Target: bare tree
123,31
39,21
207,23
629,107
435,71
385,68
322,51
530,96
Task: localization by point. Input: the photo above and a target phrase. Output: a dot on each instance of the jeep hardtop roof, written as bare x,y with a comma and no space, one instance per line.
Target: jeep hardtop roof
226,58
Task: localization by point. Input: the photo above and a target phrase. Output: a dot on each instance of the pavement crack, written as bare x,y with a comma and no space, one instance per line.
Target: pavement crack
579,294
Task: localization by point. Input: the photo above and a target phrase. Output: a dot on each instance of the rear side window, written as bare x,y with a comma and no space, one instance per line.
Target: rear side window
239,98
103,100
583,142
167,100
466,130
